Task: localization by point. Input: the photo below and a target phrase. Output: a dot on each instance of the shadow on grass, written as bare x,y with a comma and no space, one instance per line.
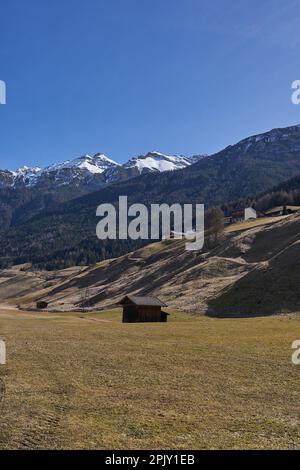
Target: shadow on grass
264,291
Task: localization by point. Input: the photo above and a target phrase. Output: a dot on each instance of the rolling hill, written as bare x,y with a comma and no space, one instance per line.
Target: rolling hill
255,271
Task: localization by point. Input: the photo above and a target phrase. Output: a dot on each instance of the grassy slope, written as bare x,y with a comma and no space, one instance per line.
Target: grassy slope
191,383
254,271
272,286
245,225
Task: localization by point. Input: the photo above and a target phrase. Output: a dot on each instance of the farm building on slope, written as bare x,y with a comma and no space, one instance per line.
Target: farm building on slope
282,210
250,213
142,309
241,215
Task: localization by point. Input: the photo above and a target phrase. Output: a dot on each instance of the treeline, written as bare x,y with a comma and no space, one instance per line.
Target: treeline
37,227
287,193
66,241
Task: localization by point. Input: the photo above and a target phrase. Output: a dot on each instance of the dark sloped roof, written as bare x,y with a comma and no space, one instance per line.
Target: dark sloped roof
147,301
238,213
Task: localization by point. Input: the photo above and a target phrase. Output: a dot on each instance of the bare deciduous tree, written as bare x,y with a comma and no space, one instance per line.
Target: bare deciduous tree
214,227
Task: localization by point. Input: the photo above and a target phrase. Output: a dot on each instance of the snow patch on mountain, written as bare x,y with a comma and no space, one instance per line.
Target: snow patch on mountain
94,170
271,137
96,164
25,175
156,161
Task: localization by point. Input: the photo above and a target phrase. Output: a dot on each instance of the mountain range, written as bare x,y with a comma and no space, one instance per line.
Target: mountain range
92,172
53,226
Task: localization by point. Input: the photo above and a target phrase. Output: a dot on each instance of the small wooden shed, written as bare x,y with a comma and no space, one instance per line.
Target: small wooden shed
143,309
41,304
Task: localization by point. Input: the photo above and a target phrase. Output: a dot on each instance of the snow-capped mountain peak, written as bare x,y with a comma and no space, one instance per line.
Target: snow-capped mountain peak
92,172
156,161
96,164
26,170
24,176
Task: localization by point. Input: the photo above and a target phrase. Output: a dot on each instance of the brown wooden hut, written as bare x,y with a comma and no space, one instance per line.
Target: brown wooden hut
41,304
143,309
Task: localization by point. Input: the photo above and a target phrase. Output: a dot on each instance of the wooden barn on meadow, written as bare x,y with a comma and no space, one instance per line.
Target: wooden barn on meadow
41,304
142,309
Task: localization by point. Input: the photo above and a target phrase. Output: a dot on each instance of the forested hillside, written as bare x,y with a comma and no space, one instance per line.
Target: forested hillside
64,233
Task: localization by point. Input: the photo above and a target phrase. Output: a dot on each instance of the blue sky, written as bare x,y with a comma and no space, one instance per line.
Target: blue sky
128,76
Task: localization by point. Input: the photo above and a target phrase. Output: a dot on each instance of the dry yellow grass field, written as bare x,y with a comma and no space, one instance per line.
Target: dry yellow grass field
252,223
78,381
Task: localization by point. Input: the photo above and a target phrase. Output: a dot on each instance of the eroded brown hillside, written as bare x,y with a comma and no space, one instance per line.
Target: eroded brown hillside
255,271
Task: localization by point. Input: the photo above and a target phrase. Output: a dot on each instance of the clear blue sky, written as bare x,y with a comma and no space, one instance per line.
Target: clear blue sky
128,76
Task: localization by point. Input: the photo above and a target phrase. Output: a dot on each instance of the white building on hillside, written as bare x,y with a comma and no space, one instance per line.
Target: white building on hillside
250,213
